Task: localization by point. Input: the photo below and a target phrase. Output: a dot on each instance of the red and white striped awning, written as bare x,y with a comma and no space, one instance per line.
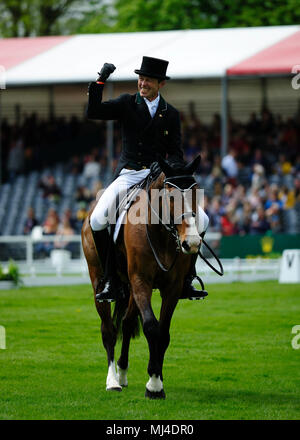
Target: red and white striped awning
192,54
279,58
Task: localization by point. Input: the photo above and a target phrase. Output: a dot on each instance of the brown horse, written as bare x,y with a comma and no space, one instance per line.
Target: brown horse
157,255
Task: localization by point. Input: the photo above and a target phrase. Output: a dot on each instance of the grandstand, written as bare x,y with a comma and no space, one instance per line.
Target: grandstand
238,110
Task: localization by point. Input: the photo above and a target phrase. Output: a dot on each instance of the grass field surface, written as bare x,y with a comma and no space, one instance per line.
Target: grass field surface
230,357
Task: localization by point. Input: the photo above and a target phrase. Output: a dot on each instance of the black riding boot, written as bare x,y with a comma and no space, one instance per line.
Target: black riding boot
112,285
189,290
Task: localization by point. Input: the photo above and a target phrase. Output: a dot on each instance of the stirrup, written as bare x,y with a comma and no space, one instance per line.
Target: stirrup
192,293
200,294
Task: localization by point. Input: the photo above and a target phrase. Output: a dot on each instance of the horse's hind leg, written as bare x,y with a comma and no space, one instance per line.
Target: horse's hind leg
109,341
109,338
129,329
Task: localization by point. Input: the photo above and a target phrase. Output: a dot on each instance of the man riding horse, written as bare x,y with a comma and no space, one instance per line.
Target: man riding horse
150,128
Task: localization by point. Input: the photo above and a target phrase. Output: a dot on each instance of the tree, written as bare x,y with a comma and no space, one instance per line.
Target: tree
151,15
65,17
33,17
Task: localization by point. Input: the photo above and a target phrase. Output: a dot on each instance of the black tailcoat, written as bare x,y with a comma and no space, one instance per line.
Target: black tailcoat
143,137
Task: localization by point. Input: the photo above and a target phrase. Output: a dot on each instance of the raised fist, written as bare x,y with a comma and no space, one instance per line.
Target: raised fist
106,70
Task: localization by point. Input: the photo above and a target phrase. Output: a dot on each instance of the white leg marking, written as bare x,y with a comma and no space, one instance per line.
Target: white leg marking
154,384
112,379
122,377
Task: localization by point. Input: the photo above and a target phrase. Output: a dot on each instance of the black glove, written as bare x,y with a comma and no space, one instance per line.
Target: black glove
106,70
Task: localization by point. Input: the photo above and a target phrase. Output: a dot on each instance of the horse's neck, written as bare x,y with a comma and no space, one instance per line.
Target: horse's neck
159,232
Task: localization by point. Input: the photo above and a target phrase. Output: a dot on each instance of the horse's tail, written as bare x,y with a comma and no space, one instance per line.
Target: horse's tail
120,309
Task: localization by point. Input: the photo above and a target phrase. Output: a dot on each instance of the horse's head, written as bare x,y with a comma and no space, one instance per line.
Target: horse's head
182,192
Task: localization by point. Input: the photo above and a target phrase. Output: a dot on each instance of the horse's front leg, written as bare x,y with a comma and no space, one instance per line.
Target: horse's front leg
129,329
142,291
169,302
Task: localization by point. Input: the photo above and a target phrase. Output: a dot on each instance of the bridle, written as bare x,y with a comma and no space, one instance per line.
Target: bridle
171,228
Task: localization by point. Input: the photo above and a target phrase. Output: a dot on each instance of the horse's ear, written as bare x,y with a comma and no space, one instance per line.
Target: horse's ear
192,166
165,167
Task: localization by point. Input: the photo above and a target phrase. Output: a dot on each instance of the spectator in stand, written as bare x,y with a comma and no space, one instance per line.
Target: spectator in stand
81,214
259,224
15,160
64,230
51,222
258,177
192,149
284,166
273,207
287,197
205,166
75,167
229,223
245,219
30,221
229,165
50,227
83,195
254,198
92,167
68,214
228,193
51,191
297,165
215,212
297,189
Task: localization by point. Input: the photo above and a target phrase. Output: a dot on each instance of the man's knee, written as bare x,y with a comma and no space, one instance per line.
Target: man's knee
97,225
203,221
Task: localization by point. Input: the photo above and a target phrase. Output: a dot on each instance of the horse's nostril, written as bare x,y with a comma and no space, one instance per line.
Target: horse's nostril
185,246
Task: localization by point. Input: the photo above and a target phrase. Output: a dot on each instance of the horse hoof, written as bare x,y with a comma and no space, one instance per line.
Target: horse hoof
114,389
155,394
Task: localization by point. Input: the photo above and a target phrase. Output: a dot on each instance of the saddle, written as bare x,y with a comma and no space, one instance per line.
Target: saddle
124,204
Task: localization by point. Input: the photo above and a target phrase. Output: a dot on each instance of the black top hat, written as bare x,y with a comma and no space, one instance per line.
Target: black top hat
154,68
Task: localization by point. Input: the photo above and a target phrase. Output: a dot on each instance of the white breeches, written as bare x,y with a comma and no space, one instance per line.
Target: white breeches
126,178
106,204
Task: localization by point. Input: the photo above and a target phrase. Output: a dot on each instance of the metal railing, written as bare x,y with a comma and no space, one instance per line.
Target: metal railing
58,260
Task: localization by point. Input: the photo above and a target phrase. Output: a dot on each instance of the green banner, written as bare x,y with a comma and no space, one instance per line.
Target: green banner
251,246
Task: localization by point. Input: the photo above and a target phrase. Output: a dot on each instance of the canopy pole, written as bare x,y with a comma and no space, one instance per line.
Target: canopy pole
224,116
0,139
51,102
110,134
264,99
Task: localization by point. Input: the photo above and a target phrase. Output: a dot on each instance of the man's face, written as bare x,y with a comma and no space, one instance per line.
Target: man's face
149,87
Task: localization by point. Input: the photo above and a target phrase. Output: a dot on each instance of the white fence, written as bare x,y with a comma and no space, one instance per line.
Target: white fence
60,267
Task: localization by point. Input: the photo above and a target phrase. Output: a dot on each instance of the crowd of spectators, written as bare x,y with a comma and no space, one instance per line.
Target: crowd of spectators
246,192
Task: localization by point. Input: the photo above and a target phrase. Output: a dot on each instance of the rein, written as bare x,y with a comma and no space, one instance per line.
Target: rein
170,228
173,230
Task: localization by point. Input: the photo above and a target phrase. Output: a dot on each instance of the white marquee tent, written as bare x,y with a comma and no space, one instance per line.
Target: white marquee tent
206,53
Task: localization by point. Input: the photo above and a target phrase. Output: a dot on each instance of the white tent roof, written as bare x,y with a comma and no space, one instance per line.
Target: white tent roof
206,53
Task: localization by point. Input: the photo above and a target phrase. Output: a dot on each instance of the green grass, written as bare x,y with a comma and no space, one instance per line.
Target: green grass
230,357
